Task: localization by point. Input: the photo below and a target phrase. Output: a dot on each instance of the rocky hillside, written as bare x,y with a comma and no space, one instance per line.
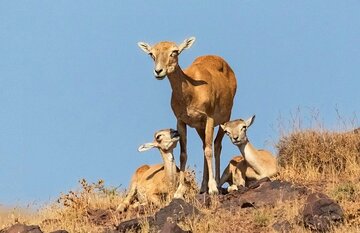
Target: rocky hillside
317,189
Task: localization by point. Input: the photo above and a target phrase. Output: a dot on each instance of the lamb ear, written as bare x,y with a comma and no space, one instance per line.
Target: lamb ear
186,44
145,47
249,121
146,146
222,126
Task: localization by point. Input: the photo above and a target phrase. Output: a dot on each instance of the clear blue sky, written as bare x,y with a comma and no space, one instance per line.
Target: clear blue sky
77,96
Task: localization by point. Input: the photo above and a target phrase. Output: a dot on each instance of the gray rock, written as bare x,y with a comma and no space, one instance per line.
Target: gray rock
172,228
320,212
262,193
22,228
177,210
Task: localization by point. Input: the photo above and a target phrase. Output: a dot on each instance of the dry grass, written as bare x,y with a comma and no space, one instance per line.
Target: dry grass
324,160
320,153
13,215
78,211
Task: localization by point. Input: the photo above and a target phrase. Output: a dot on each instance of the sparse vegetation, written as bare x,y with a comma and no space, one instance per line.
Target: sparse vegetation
323,160
261,218
345,192
320,152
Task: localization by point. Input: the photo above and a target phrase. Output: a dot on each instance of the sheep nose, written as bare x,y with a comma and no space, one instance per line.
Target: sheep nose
158,71
174,133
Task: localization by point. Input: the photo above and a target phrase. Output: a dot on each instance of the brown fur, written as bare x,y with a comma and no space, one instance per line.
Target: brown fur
255,164
202,97
151,183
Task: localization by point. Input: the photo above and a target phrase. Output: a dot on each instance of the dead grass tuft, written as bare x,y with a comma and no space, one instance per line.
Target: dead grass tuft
262,217
315,153
74,210
347,191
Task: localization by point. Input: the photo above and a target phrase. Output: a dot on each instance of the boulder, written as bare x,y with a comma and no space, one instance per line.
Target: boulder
262,193
21,228
320,212
172,228
176,211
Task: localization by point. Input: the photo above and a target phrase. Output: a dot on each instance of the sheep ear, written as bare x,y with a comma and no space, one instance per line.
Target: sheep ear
222,126
186,44
146,146
249,121
144,47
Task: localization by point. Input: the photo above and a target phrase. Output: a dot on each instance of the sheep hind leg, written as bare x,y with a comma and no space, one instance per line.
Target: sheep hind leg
181,127
127,200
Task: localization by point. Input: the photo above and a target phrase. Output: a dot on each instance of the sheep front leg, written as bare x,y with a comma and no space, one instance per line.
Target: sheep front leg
208,153
181,128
